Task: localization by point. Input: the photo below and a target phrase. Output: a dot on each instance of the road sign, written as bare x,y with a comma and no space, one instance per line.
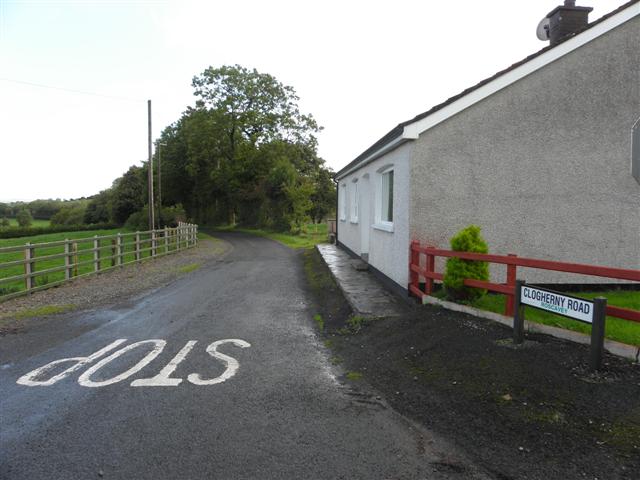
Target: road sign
555,302
593,312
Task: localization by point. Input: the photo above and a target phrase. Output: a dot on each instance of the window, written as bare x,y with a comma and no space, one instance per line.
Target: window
386,196
384,203
354,201
342,200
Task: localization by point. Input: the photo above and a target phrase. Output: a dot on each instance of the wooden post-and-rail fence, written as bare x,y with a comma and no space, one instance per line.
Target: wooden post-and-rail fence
425,271
37,266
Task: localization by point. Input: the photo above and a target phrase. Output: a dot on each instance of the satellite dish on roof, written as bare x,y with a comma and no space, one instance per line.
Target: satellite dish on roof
543,29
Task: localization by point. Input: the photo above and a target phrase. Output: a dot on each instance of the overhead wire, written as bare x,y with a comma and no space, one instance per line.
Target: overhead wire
70,90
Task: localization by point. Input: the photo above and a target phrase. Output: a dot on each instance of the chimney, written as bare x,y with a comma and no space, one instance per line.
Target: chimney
567,20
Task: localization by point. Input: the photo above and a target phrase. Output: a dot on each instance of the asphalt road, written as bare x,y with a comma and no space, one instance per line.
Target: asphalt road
266,405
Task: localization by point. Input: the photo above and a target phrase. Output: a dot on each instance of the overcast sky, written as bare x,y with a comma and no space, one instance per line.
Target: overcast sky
359,67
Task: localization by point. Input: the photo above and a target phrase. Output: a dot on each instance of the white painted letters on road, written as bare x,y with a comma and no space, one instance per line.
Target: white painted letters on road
163,379
231,363
85,378
29,379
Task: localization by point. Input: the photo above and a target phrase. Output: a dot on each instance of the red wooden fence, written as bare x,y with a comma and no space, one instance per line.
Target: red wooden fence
512,262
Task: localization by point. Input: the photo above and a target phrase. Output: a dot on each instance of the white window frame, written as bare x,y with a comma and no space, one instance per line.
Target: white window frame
342,200
382,223
354,201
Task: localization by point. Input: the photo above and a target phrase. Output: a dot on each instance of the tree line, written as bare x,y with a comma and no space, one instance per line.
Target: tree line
244,154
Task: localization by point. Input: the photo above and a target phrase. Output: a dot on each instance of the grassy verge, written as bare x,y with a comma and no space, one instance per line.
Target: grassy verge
616,329
10,322
311,235
45,310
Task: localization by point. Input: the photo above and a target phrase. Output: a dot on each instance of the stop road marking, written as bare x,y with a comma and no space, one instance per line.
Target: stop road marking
162,379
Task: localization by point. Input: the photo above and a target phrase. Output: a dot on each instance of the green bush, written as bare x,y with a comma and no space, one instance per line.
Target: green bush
468,239
24,218
69,215
169,217
4,222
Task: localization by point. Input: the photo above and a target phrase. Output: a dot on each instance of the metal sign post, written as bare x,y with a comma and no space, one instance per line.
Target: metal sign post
587,311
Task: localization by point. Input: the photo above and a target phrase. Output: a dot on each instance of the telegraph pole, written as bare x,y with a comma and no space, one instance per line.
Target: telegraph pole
152,221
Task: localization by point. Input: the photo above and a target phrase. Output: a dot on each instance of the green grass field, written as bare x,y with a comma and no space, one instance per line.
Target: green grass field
34,223
84,256
616,329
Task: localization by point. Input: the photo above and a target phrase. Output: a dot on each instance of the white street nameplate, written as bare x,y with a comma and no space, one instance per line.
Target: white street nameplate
555,302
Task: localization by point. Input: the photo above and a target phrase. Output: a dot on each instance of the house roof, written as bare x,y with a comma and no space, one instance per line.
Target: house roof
395,135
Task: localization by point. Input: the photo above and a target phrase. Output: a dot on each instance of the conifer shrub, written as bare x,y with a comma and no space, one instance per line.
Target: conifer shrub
468,239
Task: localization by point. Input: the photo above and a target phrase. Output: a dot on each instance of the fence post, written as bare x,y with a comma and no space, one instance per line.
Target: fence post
137,246
68,269
29,266
113,252
119,248
74,250
96,253
153,243
597,332
431,267
166,240
178,228
511,282
518,317
414,259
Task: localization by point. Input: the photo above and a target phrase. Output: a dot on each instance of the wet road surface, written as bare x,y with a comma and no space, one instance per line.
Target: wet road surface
229,382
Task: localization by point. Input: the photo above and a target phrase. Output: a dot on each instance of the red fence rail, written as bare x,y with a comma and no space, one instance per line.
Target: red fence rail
512,262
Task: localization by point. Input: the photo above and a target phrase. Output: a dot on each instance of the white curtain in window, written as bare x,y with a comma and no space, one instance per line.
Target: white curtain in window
386,213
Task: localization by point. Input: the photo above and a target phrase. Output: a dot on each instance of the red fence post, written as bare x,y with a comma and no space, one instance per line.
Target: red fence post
511,281
431,267
414,260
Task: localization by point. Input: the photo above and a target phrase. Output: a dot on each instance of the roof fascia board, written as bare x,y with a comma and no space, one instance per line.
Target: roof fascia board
378,153
415,129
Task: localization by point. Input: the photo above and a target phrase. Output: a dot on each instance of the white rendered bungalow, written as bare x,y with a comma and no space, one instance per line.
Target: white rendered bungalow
544,156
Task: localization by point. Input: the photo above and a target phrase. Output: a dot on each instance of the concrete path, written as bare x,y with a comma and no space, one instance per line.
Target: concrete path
218,375
366,295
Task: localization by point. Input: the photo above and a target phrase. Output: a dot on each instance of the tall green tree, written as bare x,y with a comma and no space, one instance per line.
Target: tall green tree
128,194
244,154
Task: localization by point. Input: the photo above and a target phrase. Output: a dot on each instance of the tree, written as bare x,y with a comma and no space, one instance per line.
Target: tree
245,154
97,210
24,218
4,222
324,196
72,214
238,113
129,194
252,107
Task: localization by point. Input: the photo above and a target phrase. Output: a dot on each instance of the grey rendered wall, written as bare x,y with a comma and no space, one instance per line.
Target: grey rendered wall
542,165
388,251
